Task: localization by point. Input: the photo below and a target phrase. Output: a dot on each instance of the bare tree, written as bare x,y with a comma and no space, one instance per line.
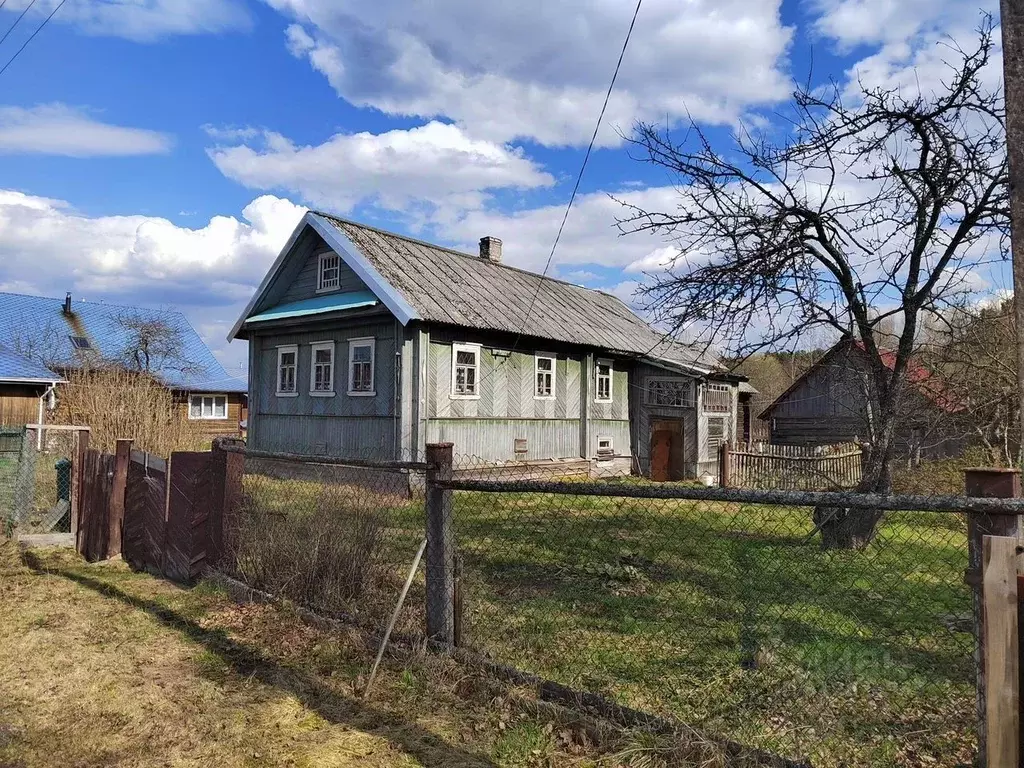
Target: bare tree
857,210
151,345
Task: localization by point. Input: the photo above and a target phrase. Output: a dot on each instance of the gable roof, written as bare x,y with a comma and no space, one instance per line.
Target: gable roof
917,375
417,280
15,368
40,321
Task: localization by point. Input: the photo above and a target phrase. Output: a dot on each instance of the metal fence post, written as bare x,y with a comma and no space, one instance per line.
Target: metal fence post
998,484
440,546
723,465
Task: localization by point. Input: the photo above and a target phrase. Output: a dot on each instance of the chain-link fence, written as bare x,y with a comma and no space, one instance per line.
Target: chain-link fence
720,610
36,473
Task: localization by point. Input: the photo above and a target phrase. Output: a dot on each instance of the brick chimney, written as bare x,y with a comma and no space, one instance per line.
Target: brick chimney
490,249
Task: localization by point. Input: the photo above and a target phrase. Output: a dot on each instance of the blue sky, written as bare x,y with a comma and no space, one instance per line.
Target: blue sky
159,152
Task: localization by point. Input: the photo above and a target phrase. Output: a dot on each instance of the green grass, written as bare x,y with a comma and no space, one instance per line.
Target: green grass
726,617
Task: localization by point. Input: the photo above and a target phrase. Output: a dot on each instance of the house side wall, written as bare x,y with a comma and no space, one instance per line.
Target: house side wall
827,406
19,404
211,428
342,425
507,410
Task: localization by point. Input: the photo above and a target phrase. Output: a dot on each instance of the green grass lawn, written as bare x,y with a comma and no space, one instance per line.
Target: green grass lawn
726,617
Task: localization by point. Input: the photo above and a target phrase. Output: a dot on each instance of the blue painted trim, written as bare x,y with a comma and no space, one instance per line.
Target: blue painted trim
345,248
318,305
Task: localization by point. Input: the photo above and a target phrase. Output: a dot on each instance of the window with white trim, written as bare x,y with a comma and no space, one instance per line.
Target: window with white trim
465,370
716,434
544,376
328,274
208,407
360,366
603,381
605,447
667,392
287,369
717,398
321,373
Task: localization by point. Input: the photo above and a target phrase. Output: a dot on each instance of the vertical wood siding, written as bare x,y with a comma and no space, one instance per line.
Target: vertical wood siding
645,414
19,404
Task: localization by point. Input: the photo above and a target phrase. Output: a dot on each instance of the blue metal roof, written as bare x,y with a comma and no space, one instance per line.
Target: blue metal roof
317,305
16,368
39,322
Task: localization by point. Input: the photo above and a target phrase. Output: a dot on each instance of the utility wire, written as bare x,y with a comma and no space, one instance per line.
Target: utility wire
32,36
17,21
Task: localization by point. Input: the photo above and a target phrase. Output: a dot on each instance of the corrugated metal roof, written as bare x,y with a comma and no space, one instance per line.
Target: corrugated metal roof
317,305
40,322
446,286
15,367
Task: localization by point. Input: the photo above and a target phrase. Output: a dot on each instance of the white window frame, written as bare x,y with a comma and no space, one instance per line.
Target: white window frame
475,349
690,384
721,389
315,347
284,349
365,341
536,374
609,450
213,407
321,260
597,381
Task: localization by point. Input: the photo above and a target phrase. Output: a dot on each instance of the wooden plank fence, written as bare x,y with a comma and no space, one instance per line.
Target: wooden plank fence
164,516
764,466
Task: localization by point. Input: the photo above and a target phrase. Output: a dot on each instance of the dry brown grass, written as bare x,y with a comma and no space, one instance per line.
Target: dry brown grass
119,404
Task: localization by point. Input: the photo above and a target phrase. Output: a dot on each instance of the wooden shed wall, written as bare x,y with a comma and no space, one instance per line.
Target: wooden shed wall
19,404
211,428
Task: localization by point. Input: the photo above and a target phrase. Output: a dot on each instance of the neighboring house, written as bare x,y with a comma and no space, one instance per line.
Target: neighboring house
25,388
829,404
367,343
70,335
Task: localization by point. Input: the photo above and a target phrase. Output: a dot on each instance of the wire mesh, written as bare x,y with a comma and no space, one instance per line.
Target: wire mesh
730,617
337,539
36,479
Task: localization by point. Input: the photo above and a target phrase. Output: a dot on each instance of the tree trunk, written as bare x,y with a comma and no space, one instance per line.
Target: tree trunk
847,528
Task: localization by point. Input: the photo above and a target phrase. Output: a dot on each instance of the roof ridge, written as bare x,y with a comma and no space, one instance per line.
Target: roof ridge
463,254
94,303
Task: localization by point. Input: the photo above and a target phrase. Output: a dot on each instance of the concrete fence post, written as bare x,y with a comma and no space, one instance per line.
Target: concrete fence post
993,484
440,546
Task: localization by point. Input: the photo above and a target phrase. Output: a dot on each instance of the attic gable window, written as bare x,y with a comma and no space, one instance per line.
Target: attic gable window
465,371
328,272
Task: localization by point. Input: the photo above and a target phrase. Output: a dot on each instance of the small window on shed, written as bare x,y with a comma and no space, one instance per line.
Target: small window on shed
328,272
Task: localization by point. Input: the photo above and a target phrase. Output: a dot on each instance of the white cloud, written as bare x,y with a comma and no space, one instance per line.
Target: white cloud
142,20
539,70
209,272
435,162
858,22
57,129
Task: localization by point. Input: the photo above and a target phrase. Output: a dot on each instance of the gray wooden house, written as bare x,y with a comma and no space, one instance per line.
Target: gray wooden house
365,343
828,404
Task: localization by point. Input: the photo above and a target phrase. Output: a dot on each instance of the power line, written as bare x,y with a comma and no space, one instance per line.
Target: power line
17,21
32,36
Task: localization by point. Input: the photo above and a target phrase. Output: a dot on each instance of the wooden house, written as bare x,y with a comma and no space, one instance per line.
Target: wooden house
367,343
829,405
73,334
26,388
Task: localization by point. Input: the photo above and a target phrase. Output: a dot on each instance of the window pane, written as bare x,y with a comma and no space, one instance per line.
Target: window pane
361,354
287,358
196,407
544,363
221,408
323,355
465,358
471,379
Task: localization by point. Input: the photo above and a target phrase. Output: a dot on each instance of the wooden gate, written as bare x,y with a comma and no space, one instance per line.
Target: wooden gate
145,504
94,521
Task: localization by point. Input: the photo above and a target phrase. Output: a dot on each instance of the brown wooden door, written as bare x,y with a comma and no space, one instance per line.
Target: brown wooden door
666,450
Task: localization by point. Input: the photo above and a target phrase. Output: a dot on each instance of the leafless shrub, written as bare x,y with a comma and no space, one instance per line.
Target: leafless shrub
119,404
324,556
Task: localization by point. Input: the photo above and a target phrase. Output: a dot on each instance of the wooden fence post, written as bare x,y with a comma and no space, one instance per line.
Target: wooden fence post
222,524
999,587
115,508
723,465
77,484
986,483
440,546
